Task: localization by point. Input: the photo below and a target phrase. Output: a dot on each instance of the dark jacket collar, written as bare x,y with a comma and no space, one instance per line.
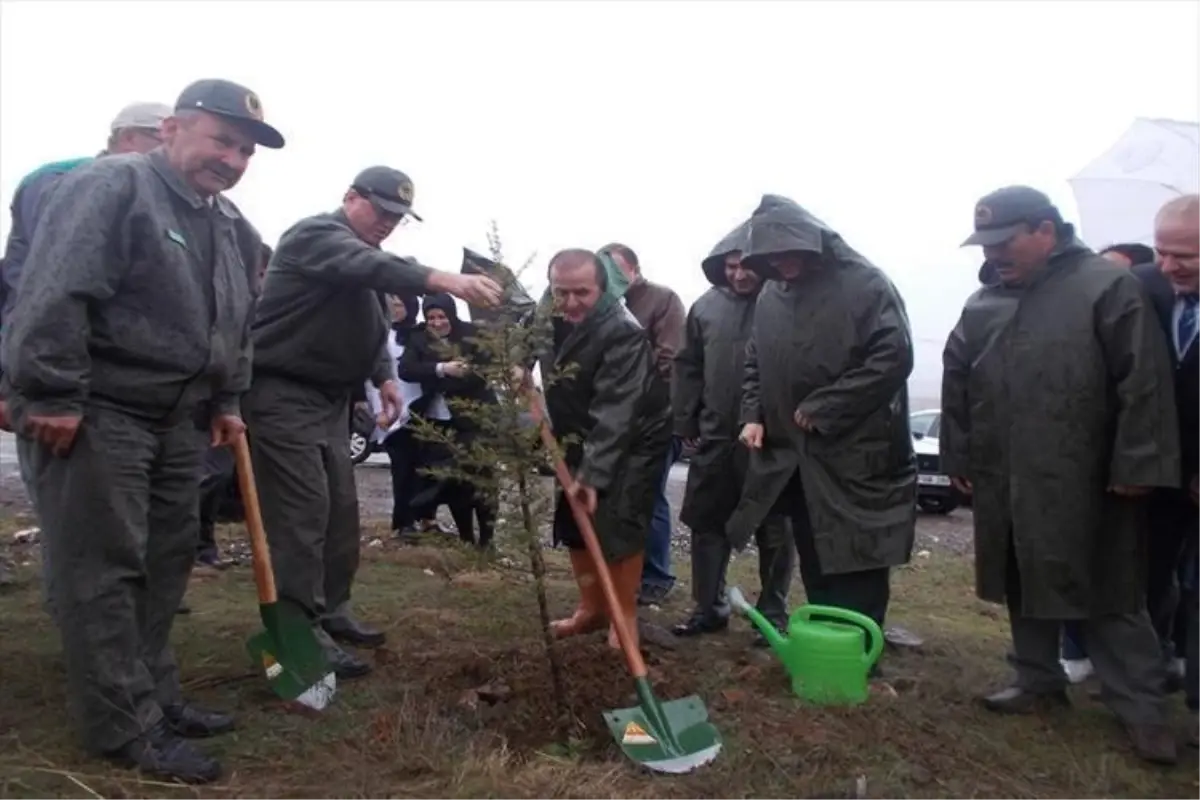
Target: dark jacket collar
172,178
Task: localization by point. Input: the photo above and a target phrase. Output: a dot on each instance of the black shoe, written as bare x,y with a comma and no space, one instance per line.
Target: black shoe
699,624
346,666
1015,700
161,753
192,722
651,594
184,608
348,630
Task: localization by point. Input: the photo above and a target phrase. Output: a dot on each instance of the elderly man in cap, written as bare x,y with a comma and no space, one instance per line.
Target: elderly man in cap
1058,417
319,333
128,349
134,130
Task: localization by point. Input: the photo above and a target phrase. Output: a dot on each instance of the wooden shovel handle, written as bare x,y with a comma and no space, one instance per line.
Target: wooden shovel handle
633,656
264,576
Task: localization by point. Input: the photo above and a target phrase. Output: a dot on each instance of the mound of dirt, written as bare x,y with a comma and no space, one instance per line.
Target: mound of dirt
509,691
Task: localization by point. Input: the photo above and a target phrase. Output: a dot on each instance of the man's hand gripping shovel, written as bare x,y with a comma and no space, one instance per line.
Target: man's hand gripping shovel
287,650
673,737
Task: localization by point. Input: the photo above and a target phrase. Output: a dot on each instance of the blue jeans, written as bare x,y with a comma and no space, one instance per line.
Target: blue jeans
1073,648
656,570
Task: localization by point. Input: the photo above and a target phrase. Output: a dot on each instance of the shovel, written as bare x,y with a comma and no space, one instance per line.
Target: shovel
287,650
673,737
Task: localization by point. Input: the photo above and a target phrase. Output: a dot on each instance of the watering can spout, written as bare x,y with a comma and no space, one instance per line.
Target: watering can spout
775,638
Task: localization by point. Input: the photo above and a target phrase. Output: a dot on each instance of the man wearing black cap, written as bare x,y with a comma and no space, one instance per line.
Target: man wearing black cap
1058,417
131,325
319,332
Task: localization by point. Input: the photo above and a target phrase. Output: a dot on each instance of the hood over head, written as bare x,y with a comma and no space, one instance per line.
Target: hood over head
442,302
714,265
780,225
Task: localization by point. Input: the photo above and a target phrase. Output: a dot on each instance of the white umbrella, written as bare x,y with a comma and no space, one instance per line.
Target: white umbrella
1119,193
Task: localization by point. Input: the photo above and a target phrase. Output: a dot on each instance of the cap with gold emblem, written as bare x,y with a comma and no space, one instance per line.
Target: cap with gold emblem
235,102
1005,212
388,189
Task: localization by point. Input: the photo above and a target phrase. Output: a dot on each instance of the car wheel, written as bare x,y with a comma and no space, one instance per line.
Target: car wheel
937,505
360,448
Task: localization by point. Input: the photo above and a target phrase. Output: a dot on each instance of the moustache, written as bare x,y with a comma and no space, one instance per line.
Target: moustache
221,170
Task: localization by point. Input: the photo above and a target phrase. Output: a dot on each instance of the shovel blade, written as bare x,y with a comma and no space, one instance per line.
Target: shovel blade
675,738
292,658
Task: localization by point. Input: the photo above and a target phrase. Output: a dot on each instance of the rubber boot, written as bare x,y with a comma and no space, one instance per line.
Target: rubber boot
589,615
627,580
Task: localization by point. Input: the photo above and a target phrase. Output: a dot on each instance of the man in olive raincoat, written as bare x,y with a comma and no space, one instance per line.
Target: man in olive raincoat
611,407
1058,417
825,409
706,398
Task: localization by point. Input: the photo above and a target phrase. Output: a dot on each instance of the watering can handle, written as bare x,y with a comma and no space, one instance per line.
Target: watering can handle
869,625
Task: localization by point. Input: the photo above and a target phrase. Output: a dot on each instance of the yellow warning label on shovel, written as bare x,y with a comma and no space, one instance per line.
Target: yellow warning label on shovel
636,734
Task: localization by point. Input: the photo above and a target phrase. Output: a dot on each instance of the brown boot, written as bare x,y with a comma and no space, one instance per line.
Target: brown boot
589,614
627,579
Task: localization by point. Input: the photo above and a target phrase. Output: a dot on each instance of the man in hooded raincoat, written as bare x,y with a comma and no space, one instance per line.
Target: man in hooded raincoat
825,409
706,398
1058,416
611,408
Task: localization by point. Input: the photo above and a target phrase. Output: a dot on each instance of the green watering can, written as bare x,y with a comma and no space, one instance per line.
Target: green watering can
826,658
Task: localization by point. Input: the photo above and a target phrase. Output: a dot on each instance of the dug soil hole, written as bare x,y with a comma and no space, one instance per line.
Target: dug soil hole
508,691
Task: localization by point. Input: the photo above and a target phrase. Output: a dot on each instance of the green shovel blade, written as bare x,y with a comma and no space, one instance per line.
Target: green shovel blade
673,737
292,658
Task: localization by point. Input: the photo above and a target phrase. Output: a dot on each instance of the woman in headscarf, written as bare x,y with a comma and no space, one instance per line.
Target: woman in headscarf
439,357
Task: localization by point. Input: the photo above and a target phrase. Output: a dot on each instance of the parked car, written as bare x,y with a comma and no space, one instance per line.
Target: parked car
362,445
935,493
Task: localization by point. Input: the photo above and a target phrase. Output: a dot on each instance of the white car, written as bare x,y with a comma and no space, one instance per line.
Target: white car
935,494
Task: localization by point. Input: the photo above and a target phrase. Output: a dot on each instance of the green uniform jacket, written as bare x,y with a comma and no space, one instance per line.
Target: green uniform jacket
611,407
837,347
136,295
323,320
1050,394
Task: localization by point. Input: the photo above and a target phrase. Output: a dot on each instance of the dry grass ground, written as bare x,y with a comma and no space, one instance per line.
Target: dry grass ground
415,728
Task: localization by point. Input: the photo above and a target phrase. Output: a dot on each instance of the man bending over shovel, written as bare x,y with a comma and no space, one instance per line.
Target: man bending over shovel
610,404
320,332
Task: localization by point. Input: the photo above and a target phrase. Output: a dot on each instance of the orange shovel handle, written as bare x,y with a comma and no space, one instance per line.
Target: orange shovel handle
633,656
264,576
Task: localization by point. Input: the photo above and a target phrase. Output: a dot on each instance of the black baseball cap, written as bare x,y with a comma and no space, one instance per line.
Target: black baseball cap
388,189
233,101
1005,212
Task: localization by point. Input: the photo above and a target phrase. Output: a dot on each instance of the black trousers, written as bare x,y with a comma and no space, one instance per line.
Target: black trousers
404,453
866,592
217,474
1173,524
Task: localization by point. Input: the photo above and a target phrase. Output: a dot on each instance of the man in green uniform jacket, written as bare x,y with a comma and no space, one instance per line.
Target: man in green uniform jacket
131,324
319,333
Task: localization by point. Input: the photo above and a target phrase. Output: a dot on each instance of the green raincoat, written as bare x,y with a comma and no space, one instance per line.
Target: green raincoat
835,346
